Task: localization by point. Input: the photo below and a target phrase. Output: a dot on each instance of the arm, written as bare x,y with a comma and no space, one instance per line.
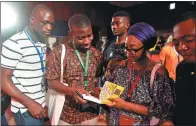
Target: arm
136,108
53,69
163,98
11,55
9,88
133,107
59,87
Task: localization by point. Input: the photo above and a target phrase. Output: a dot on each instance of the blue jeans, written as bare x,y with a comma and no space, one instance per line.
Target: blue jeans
4,120
26,119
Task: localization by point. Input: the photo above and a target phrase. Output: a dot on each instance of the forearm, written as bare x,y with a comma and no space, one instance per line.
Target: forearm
59,87
136,108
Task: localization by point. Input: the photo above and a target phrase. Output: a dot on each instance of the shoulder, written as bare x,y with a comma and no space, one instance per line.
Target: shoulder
16,38
56,52
16,42
95,51
161,70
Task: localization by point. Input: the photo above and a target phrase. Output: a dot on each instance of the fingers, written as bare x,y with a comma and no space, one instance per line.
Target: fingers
82,91
80,100
37,116
111,104
113,99
44,113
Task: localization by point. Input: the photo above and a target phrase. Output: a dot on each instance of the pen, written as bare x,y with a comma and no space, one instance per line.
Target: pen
78,94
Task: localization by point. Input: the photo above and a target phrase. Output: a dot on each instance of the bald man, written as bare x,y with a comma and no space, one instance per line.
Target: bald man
23,68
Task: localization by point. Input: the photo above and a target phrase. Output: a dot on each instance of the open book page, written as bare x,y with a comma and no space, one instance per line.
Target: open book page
91,98
109,90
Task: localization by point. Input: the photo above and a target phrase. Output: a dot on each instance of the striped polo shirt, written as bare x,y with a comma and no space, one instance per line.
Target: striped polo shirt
20,55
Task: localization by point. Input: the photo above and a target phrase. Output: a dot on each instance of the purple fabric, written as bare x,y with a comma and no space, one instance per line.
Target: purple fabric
145,33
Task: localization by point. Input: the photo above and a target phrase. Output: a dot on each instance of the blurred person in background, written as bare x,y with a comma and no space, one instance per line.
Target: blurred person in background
170,58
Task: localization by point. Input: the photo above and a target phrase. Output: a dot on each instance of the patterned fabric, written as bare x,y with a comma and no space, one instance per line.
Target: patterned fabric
114,51
73,76
158,99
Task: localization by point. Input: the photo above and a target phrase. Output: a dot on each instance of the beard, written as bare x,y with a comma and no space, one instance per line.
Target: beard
81,49
41,37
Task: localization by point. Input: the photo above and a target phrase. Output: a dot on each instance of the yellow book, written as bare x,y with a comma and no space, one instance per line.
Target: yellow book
109,90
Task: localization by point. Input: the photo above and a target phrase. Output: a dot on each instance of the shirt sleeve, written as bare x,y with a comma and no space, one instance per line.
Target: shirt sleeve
53,65
11,54
163,55
162,96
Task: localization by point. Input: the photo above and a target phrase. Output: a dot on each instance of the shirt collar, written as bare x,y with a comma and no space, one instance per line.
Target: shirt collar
32,34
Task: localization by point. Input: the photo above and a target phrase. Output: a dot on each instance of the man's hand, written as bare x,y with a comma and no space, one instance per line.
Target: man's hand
117,102
96,92
36,110
78,98
46,111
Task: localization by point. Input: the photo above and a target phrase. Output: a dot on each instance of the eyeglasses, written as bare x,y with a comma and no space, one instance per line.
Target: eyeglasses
133,51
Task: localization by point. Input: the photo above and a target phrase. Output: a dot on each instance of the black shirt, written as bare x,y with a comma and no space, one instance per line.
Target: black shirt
114,51
184,111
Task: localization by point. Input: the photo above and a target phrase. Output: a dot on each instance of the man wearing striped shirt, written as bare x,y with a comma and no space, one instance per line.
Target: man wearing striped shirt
23,68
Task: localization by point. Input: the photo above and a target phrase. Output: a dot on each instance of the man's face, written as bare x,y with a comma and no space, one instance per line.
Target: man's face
82,37
119,25
185,39
42,22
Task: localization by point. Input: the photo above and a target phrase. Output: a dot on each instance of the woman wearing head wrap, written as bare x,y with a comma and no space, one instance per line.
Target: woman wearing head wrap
139,101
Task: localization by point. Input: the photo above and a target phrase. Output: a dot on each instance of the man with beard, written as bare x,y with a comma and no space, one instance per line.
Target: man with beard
23,68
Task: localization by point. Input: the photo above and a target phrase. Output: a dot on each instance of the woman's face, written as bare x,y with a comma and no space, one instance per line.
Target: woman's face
133,48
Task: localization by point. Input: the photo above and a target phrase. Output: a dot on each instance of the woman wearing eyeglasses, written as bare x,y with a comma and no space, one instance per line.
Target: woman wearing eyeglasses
140,102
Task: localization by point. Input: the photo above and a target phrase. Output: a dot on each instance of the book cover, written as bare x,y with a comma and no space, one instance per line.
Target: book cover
109,90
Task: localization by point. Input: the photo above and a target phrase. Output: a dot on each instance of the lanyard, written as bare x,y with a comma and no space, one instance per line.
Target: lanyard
41,55
84,67
135,83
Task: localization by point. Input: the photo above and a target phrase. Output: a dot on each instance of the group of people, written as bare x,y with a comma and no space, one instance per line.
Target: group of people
149,97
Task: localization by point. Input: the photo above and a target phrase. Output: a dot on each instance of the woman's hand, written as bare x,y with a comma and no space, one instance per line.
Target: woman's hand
117,102
96,92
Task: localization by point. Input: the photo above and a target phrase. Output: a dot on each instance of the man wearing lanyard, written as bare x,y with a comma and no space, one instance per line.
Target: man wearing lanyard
80,66
23,68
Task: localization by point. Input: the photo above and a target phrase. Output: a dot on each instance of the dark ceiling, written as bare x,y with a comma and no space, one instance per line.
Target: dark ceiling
126,4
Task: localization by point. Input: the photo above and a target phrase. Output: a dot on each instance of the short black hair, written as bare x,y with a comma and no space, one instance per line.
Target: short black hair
122,14
186,16
79,20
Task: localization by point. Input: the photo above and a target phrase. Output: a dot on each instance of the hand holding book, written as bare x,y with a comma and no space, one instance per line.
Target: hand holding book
109,90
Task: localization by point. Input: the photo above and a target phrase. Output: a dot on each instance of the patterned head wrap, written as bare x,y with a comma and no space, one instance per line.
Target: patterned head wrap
145,33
